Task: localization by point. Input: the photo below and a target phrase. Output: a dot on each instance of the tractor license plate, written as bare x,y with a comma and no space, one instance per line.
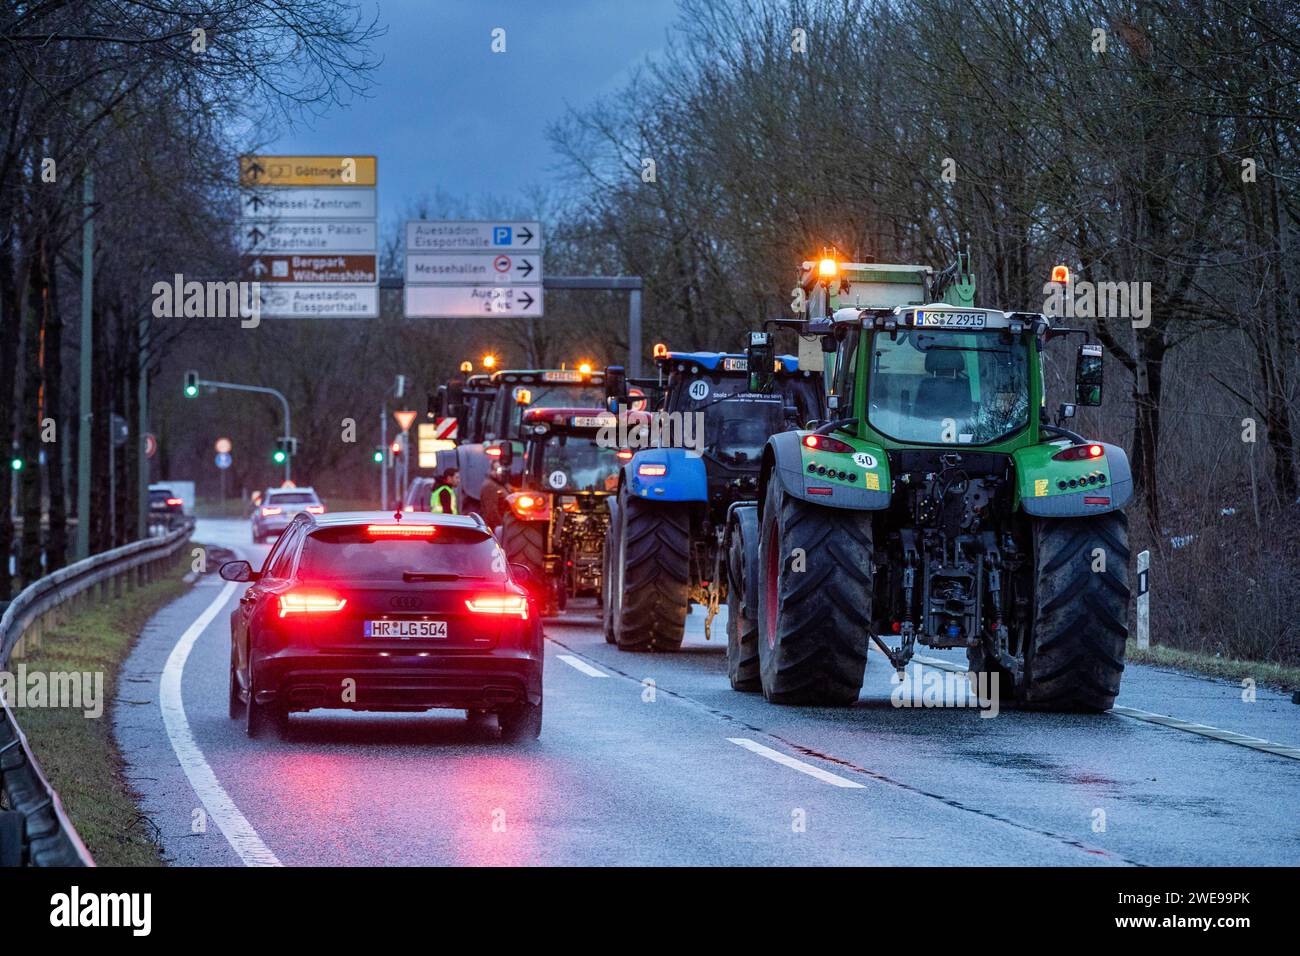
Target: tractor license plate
406,630
933,318
593,421
735,365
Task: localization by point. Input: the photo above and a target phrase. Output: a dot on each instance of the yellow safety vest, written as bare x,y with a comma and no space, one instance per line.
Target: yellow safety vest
435,500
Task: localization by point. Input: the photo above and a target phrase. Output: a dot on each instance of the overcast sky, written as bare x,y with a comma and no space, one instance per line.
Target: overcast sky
446,112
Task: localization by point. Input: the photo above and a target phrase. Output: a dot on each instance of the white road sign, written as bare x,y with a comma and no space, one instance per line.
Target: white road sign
473,268
292,301
469,301
430,235
287,235
305,202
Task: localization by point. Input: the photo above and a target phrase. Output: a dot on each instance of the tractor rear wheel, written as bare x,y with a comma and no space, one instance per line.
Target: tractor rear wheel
814,609
1074,654
652,575
742,621
609,597
524,542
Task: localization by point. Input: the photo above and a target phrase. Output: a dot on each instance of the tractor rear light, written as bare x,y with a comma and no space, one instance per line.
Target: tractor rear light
651,470
529,506
493,452
1079,453
175,501
311,602
827,443
401,530
623,454
1096,501
499,604
820,491
267,512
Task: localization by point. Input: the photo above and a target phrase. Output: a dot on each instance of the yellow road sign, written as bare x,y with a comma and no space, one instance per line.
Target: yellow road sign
307,170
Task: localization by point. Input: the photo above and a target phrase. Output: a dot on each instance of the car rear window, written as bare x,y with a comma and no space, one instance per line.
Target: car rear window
351,553
292,498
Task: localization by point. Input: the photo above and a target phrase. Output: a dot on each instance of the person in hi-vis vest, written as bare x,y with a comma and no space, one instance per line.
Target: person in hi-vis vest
443,499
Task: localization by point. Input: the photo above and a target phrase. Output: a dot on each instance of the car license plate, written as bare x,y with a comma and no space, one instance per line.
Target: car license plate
406,630
934,318
593,421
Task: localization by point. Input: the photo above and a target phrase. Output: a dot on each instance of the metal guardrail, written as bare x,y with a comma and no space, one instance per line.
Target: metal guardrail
34,829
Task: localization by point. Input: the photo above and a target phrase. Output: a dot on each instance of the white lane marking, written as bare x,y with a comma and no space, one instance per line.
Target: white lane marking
579,664
1214,733
825,776
239,833
1163,720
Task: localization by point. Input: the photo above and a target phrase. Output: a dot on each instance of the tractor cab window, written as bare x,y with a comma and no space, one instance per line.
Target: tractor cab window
547,395
846,368
575,463
736,429
944,387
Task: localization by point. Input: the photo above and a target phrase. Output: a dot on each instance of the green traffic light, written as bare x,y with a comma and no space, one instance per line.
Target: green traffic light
278,457
191,391
16,464
379,458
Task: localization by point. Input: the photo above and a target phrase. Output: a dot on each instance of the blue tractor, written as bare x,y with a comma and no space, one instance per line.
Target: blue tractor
696,447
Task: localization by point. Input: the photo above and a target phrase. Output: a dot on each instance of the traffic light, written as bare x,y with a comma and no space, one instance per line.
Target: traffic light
191,384
285,448
378,456
396,447
16,464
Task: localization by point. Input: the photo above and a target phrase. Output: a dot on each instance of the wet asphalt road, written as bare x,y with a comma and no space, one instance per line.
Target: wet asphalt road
655,760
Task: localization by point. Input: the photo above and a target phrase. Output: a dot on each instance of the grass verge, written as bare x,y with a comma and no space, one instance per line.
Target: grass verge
78,755
1279,676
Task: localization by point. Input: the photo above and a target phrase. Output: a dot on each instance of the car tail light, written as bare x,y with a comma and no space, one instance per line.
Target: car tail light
316,509
500,604
827,443
175,501
311,602
651,470
1079,453
401,530
267,512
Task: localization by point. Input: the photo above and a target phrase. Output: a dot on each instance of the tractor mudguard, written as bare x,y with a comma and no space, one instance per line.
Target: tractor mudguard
1044,484
683,478
858,480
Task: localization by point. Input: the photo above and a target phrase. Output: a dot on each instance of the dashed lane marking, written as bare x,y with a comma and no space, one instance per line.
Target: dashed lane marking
579,664
239,833
825,776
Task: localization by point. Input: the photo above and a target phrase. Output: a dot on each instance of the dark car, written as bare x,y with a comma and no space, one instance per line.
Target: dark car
383,612
165,508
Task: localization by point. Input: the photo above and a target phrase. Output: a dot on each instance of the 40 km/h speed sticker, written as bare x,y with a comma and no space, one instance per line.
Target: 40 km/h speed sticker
699,390
863,460
558,479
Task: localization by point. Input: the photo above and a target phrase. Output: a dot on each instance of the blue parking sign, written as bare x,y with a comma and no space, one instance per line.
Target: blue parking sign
500,235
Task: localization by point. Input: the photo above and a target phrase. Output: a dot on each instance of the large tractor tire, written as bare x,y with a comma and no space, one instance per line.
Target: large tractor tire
652,571
813,624
524,542
1074,654
609,597
742,597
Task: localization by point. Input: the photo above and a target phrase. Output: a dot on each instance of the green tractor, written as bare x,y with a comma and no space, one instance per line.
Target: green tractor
939,507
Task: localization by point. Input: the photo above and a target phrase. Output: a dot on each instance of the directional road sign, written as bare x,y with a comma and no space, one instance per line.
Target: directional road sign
463,235
288,301
307,171
320,202
343,268
307,235
473,268
472,301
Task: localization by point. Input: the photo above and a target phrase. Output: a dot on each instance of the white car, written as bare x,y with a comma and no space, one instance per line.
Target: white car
278,507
